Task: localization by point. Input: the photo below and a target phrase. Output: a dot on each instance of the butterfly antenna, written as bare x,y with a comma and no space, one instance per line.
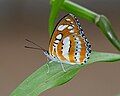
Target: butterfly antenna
40,48
32,47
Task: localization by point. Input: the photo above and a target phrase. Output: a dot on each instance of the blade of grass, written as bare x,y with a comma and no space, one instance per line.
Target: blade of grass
40,80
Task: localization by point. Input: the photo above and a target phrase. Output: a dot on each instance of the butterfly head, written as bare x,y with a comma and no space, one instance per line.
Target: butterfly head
49,56
46,52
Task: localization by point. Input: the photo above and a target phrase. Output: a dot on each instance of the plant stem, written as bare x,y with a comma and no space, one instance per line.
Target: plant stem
53,14
106,28
79,11
101,21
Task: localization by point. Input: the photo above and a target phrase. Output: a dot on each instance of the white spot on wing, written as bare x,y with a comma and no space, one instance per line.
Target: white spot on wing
71,31
66,46
62,27
77,38
56,41
73,25
66,40
59,36
67,19
70,27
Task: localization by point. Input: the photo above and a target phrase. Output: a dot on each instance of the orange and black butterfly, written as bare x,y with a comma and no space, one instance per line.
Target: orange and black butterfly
68,44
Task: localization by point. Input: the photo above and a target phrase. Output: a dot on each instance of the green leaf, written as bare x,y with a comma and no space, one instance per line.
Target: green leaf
40,80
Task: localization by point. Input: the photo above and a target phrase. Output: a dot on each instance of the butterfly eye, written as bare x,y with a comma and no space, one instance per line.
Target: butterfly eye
46,52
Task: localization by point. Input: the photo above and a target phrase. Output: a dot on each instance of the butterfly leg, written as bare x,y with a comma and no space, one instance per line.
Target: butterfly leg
62,67
48,65
48,68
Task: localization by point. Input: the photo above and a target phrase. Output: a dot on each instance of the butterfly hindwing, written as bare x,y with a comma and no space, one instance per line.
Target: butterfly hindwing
72,49
68,42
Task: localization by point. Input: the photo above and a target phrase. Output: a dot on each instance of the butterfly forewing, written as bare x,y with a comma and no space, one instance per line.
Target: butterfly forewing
68,42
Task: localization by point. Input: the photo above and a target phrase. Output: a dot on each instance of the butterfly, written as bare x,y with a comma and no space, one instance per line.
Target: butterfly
68,43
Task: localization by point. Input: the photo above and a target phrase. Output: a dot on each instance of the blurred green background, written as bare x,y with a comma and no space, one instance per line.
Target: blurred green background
20,19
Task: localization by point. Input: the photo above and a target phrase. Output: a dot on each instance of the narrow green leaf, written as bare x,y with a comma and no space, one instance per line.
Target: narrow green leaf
40,80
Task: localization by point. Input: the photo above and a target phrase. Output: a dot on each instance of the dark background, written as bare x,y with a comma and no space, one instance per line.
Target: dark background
20,19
